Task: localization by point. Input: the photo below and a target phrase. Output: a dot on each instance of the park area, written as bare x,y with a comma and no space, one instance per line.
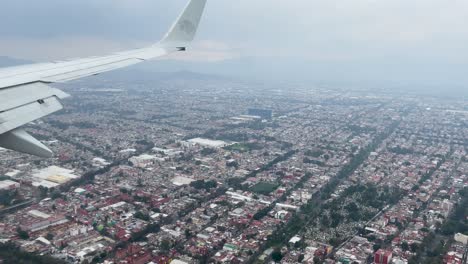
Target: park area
264,188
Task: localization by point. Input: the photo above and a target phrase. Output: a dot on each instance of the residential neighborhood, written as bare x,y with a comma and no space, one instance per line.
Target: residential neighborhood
205,170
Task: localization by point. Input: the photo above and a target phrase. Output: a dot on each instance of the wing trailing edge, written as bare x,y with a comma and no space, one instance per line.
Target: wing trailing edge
23,104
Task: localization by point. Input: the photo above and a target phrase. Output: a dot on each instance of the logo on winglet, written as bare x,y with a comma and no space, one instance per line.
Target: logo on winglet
187,27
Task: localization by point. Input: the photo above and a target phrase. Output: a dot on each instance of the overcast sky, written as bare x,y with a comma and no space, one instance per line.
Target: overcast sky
350,40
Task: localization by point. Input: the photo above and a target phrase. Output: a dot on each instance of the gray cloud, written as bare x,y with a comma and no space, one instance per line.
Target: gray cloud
404,39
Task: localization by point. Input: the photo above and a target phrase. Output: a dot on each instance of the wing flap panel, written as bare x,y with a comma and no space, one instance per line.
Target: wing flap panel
21,95
22,115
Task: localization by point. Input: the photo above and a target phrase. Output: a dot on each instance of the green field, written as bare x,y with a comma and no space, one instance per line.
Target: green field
264,188
237,147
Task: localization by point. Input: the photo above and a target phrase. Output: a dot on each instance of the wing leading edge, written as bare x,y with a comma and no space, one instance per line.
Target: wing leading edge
25,95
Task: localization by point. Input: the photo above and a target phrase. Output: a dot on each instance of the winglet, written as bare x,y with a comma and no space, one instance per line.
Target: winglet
21,141
184,29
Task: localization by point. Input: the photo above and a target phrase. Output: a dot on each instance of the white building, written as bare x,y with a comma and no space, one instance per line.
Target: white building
207,143
459,237
8,185
180,180
294,240
143,161
52,176
176,261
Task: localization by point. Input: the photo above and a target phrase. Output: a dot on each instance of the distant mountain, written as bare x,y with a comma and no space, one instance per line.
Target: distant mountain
7,61
420,77
190,75
133,73
138,74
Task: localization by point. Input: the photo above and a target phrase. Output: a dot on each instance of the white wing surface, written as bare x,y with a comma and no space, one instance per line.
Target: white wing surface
25,95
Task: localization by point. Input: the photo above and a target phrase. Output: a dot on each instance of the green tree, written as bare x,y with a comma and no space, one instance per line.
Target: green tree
404,246
142,216
414,247
10,253
43,191
276,255
165,245
22,234
300,258
376,247
49,236
7,197
188,234
56,194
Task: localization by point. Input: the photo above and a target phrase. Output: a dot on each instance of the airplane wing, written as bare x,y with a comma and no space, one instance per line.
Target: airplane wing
25,95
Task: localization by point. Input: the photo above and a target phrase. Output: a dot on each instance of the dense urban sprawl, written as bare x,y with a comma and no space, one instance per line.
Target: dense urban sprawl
196,169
